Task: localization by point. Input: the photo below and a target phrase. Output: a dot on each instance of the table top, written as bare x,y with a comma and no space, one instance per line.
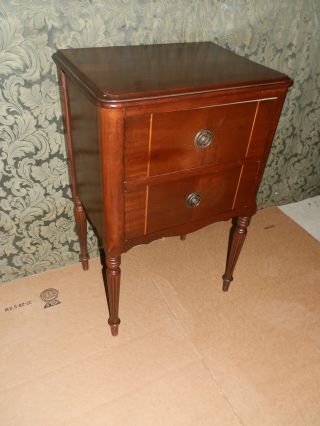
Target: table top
125,73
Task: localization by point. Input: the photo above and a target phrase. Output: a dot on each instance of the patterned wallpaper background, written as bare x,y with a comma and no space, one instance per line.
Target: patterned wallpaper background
37,230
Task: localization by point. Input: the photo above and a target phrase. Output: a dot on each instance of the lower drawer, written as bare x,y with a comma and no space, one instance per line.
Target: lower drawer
169,204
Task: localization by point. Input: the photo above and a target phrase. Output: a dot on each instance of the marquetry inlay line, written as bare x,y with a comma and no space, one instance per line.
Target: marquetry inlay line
249,142
149,146
246,102
238,184
146,210
252,128
250,101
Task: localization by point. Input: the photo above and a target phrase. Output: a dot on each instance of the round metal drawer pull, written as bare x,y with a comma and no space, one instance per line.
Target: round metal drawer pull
203,138
193,199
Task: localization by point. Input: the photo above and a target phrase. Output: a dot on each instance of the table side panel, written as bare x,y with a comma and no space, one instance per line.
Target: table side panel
263,132
266,121
86,153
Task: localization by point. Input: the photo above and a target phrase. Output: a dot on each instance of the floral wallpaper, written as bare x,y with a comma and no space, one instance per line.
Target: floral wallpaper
37,230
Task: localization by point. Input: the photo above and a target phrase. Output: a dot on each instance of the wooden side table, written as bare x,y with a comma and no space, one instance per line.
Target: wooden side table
163,140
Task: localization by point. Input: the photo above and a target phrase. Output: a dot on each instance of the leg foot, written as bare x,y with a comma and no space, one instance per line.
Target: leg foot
114,329
237,236
85,264
81,224
113,292
226,283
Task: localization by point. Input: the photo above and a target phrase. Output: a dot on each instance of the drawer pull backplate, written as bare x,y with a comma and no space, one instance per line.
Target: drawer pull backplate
203,138
193,199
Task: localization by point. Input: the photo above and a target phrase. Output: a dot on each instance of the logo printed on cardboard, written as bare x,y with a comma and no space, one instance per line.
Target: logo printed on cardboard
17,306
50,296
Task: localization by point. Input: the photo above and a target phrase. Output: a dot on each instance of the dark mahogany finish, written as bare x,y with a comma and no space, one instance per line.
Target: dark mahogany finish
237,236
163,140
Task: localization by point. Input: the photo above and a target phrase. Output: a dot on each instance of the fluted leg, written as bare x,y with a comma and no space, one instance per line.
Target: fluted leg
237,236
113,291
81,224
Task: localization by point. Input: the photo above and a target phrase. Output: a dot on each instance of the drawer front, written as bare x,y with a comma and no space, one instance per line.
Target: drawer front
161,143
175,137
175,203
168,204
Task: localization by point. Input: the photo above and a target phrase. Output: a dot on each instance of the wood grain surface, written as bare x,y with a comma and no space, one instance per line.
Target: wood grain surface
132,120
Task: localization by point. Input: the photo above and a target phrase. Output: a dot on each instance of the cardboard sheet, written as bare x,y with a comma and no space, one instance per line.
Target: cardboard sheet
187,353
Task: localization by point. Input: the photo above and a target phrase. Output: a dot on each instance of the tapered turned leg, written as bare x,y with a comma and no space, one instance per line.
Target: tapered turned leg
81,224
113,291
237,236
183,237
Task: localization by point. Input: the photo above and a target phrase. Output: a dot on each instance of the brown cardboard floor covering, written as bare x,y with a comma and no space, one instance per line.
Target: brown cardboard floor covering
187,353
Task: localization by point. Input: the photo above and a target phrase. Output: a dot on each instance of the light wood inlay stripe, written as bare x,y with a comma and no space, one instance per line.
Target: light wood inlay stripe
146,211
148,174
238,184
149,148
248,146
253,123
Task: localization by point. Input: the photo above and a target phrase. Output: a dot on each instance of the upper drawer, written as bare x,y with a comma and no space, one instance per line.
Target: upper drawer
165,142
